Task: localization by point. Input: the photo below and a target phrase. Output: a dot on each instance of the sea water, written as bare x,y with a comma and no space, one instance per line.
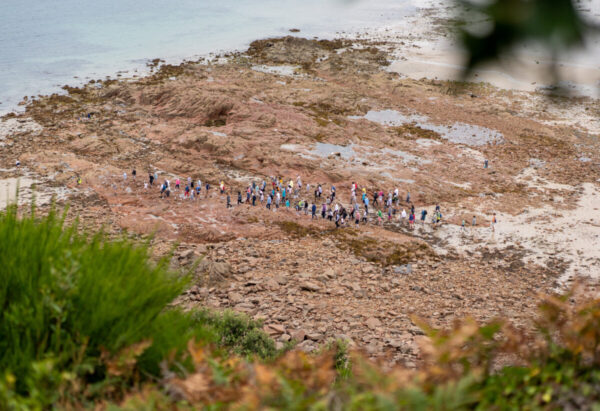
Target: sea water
46,44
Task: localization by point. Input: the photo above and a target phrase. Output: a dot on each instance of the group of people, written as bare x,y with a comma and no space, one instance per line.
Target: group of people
293,195
192,189
362,208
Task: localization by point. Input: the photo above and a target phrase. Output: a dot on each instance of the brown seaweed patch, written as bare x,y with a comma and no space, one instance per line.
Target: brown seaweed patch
414,132
296,230
384,253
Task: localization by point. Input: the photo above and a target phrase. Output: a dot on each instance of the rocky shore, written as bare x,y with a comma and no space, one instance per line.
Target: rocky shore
334,113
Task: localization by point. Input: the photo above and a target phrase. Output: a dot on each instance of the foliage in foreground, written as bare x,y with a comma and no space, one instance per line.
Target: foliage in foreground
84,318
559,367
555,25
85,323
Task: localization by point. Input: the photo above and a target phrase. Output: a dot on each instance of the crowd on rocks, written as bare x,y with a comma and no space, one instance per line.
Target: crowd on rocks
363,208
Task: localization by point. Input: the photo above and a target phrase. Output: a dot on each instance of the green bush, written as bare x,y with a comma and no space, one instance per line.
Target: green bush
237,332
70,302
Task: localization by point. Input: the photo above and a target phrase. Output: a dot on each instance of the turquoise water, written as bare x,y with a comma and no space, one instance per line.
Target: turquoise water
46,44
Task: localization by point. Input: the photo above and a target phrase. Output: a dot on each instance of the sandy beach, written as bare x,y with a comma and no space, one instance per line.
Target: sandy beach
423,47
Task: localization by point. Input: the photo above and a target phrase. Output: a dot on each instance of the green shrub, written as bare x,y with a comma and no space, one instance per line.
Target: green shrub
70,301
239,333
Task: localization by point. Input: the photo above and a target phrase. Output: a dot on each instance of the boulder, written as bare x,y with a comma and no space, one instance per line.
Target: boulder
298,335
235,297
274,329
373,323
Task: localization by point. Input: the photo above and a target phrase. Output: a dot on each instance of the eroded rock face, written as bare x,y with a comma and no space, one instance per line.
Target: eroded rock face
170,103
296,107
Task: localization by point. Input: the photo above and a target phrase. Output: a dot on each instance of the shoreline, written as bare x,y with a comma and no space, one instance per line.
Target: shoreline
421,47
186,38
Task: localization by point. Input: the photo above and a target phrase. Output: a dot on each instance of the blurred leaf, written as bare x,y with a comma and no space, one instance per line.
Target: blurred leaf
555,24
